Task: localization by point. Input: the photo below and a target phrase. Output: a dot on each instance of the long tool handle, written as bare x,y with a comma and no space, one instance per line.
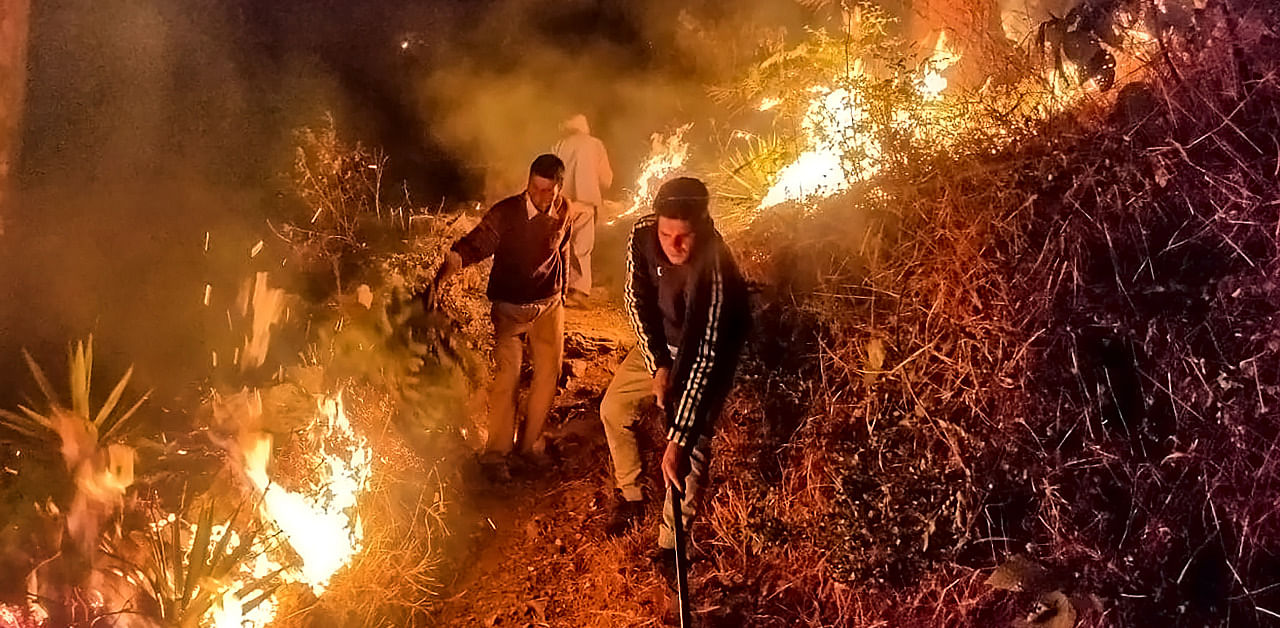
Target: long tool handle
682,562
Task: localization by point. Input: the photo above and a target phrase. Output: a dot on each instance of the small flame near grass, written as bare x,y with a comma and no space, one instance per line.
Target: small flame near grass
832,119
317,519
933,82
667,155
841,148
308,534
323,527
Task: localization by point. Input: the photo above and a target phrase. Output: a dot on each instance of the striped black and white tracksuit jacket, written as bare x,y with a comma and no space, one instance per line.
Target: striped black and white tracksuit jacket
715,319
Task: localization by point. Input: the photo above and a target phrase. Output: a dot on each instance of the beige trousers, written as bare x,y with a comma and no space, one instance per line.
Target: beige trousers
582,227
631,385
540,324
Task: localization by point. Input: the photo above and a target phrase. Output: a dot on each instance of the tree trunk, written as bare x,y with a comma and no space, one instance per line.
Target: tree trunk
14,16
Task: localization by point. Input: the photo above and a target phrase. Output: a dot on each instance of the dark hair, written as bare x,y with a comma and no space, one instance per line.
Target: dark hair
548,166
682,198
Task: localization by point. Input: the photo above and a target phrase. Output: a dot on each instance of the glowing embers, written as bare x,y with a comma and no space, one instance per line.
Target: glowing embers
33,616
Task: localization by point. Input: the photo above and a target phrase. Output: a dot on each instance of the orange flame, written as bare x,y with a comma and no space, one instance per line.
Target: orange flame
666,156
323,528
841,151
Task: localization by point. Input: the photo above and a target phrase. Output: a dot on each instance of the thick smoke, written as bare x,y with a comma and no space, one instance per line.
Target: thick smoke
150,123
147,124
502,83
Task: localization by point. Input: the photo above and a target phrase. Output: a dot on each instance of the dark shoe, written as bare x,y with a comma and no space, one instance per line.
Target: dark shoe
495,468
624,516
528,463
664,562
535,459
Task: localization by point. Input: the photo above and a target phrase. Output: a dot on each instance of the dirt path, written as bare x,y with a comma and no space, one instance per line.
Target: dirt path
536,552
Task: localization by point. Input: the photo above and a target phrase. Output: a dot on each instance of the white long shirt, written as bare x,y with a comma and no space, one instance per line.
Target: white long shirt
587,172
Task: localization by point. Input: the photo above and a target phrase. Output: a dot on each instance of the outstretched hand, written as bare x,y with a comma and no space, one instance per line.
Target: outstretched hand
451,264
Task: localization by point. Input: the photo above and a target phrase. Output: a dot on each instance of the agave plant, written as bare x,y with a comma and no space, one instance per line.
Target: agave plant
100,468
189,579
51,426
180,571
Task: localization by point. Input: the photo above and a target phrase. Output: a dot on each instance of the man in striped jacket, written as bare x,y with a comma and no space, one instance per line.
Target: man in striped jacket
689,307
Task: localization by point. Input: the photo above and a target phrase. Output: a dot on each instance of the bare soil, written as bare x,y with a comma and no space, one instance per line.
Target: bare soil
534,552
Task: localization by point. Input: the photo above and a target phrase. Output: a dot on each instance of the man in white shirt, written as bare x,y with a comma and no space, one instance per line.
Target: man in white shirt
587,175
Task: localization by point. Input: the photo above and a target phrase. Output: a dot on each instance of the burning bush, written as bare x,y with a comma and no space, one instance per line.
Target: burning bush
76,497
319,518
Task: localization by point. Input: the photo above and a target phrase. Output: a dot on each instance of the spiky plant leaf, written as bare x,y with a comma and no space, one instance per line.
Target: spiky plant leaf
38,373
197,564
176,577
187,580
104,424
263,596
80,370
112,399
263,584
227,562
28,424
219,555
123,419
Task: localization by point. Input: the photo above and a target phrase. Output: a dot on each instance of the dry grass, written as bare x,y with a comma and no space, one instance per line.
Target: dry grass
397,577
1062,351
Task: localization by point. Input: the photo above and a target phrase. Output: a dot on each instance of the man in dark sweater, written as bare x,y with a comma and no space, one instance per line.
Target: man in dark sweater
689,307
528,237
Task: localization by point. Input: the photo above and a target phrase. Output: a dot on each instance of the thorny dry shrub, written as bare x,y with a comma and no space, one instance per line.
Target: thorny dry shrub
340,218
463,297
463,319
1065,351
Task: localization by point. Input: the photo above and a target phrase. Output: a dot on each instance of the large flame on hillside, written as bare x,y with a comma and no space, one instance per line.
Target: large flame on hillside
311,525
841,149
311,533
831,121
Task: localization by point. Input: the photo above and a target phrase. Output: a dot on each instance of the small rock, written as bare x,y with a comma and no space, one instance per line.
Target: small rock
1019,573
1052,610
575,368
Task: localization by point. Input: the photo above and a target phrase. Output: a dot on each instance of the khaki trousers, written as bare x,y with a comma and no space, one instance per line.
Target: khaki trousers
582,240
631,385
541,324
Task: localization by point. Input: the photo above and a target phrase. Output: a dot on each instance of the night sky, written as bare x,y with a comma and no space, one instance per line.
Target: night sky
140,89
